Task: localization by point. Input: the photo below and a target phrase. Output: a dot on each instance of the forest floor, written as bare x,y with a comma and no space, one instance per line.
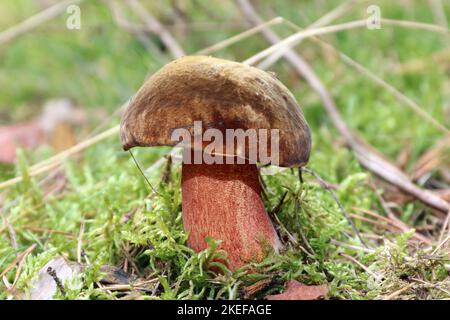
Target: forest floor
96,210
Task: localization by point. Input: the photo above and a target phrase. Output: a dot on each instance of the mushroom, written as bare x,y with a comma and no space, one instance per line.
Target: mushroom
221,200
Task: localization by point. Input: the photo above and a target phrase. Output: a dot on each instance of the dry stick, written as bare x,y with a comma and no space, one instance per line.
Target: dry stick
432,158
297,37
398,292
20,266
444,227
385,226
434,285
18,259
321,22
80,242
336,13
243,35
156,27
45,230
351,246
34,21
336,199
415,25
394,218
391,89
397,224
439,12
92,139
12,233
56,160
7,223
441,58
366,269
137,30
366,72
443,242
370,159
382,83
324,20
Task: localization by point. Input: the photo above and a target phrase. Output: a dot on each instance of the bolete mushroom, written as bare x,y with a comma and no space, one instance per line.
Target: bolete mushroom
221,200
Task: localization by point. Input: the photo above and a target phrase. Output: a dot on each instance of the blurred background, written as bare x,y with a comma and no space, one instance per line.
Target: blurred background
97,67
66,73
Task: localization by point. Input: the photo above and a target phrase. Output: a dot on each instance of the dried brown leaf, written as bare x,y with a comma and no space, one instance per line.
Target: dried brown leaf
299,291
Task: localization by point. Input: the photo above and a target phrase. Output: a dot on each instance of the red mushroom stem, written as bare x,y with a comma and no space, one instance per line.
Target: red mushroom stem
223,201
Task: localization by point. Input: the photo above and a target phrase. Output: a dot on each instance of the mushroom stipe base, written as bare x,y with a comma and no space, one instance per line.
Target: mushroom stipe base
223,201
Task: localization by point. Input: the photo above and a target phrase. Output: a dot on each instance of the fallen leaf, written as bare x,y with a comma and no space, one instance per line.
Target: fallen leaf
62,137
53,125
46,285
298,291
57,271
249,291
115,275
25,135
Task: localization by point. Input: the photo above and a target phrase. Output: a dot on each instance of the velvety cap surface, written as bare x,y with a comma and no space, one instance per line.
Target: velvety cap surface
223,95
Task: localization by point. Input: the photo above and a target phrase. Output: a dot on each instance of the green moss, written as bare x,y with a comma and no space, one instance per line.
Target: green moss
102,66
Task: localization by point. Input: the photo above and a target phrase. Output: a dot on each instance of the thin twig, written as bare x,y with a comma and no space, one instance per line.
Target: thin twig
392,217
156,27
443,242
352,259
34,21
12,233
57,159
391,89
336,199
239,37
397,224
80,241
415,25
351,246
445,225
137,30
369,74
18,259
440,59
437,7
296,37
321,22
369,158
398,292
374,222
143,174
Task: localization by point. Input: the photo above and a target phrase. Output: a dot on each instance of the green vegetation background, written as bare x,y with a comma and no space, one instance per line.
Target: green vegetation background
101,66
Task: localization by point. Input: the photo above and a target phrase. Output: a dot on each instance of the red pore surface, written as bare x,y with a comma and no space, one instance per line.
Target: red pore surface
223,201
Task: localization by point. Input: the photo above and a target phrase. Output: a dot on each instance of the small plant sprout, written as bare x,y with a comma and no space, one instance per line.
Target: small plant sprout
228,117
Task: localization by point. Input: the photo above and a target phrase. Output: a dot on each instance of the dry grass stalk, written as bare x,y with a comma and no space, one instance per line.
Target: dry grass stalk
366,154
34,21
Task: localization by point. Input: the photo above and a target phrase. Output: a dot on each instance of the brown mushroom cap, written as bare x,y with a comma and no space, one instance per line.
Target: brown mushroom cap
223,95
